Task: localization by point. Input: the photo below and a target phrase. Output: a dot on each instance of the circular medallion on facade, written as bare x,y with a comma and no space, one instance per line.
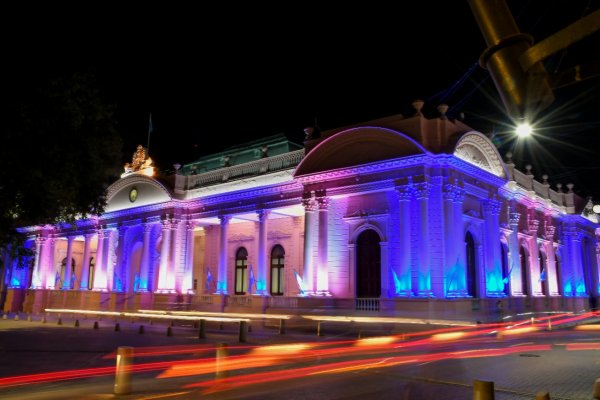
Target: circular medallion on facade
133,193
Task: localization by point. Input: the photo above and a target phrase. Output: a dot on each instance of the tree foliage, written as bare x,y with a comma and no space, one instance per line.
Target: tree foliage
59,152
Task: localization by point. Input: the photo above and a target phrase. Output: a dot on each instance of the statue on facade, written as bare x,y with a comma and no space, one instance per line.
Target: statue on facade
139,161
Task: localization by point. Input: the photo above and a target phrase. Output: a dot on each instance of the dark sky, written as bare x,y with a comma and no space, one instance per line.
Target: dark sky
220,75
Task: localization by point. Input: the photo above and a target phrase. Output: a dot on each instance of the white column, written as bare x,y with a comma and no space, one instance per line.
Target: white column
263,267
67,282
551,273
403,279
51,269
423,278
222,278
308,273
121,275
579,288
36,281
493,260
85,264
165,249
99,274
144,277
173,258
514,258
109,265
188,276
322,268
459,242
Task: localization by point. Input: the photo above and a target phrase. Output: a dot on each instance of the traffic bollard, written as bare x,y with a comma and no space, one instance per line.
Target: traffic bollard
319,328
202,329
243,331
95,324
281,326
597,389
222,352
542,395
117,327
123,370
169,331
59,321
483,390
141,330
76,323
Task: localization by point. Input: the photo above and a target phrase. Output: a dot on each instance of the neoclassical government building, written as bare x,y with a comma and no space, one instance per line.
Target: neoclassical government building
392,215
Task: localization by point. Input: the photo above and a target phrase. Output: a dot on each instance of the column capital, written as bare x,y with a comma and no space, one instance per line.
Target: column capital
190,225
309,204
148,227
422,190
224,219
549,232
404,192
454,193
534,225
491,206
514,219
323,203
263,214
88,236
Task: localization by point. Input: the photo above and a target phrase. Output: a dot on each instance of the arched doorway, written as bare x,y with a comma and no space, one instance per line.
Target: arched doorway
505,270
277,264
543,272
368,265
471,265
558,271
133,272
524,270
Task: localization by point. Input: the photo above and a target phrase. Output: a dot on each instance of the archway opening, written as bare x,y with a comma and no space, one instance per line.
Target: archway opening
471,265
543,273
505,270
368,265
524,270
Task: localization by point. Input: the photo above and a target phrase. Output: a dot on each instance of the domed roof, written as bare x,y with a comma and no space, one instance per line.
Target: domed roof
358,146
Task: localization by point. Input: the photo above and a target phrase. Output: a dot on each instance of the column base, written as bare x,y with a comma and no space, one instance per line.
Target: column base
404,293
425,293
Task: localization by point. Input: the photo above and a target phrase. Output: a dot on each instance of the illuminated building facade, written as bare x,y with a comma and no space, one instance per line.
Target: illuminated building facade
398,214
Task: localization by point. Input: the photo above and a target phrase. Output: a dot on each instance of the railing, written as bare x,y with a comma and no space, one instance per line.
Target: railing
275,163
367,304
244,301
282,302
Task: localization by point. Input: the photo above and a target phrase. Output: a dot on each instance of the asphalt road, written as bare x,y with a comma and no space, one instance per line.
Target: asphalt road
330,370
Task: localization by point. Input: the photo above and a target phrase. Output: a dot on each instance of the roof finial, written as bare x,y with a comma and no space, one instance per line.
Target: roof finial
528,168
443,108
509,158
418,105
545,179
559,188
570,186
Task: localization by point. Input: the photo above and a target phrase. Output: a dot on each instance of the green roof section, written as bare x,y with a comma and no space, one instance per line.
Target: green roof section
242,153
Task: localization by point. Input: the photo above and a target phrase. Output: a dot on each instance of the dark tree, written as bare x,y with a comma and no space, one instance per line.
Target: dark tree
59,150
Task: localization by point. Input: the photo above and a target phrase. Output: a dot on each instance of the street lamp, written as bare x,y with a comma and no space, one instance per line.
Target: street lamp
524,129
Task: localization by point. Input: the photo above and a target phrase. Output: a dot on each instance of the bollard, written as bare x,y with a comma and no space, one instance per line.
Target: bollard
4,316
29,318
169,331
222,352
542,395
202,329
281,326
95,324
16,316
44,319
221,326
123,370
319,328
117,327
483,390
76,323
141,330
243,332
59,321
359,334
597,389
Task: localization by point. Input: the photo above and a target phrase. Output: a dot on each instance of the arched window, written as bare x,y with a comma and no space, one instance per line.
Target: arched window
505,270
277,264
241,271
543,273
524,270
471,265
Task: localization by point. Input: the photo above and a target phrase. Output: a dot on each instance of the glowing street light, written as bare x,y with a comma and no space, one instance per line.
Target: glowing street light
524,130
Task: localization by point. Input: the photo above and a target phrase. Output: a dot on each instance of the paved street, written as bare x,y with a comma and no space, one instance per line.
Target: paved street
36,347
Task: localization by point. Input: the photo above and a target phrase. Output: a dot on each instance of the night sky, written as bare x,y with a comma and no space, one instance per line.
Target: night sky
221,75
